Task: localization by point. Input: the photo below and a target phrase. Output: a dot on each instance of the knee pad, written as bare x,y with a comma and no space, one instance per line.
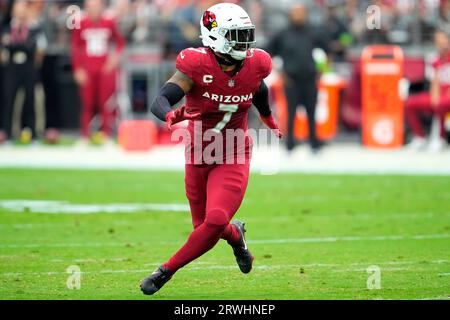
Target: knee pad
217,218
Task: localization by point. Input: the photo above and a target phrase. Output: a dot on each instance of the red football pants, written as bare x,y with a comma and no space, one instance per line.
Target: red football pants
420,104
215,193
98,92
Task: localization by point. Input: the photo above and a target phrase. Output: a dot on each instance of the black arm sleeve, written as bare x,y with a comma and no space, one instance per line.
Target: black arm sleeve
169,95
261,100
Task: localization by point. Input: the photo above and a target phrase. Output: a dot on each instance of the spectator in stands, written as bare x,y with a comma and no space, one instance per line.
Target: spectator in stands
427,17
183,28
3,20
443,22
95,62
399,27
22,43
144,23
436,102
295,46
339,37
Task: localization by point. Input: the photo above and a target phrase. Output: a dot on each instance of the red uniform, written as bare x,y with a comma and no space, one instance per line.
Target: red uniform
216,182
91,47
222,99
421,103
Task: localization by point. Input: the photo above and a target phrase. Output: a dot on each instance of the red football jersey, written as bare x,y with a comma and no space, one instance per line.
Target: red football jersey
223,100
442,65
93,41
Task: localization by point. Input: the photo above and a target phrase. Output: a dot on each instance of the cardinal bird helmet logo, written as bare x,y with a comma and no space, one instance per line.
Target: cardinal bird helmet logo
209,20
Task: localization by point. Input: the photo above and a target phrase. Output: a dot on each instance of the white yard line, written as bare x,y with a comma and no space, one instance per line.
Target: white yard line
254,242
197,266
65,245
363,216
436,298
365,269
64,207
97,260
214,265
350,238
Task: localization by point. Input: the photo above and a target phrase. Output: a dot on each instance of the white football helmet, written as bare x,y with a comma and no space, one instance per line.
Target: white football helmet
226,28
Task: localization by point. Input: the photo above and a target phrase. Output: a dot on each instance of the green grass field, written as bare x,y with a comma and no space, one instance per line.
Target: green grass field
313,236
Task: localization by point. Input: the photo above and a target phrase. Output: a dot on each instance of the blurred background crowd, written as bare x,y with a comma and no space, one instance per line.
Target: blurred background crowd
173,24
155,31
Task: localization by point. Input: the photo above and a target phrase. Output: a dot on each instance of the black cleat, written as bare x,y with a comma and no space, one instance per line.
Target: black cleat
243,256
155,281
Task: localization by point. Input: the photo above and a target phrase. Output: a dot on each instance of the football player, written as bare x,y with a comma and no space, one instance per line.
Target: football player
220,81
436,101
95,62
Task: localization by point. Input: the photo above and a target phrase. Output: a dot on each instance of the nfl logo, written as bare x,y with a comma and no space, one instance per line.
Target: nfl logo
231,83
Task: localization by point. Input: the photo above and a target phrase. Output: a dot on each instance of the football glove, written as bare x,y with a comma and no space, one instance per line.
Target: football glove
269,121
179,115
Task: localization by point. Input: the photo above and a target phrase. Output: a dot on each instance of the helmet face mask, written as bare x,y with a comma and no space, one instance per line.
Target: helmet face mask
226,28
241,39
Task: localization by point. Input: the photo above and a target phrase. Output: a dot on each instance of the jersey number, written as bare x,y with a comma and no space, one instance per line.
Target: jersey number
199,50
96,47
229,110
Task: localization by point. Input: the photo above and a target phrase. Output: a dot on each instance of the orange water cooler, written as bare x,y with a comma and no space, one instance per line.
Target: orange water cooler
137,135
382,106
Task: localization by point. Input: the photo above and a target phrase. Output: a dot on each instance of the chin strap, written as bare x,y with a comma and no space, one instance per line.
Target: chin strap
228,60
